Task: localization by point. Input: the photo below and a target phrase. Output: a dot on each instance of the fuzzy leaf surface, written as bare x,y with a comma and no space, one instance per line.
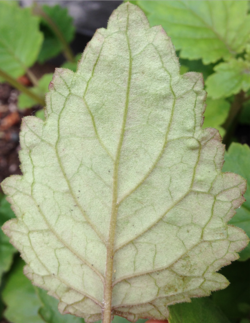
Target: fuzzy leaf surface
122,200
229,78
202,29
20,39
237,160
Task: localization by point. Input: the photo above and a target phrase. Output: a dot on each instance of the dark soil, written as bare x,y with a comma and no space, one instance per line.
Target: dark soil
10,122
10,119
243,134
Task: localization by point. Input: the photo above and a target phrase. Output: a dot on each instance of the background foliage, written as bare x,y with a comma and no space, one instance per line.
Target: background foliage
212,38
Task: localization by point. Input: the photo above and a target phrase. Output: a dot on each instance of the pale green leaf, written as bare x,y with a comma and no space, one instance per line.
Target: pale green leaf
122,207
6,249
230,78
51,45
237,160
26,303
216,114
210,30
20,297
24,101
200,310
20,39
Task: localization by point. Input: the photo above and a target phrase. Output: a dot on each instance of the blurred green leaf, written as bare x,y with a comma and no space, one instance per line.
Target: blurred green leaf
1,308
198,66
24,101
73,66
237,160
200,310
49,311
210,30
27,303
20,39
40,114
230,78
20,297
6,249
119,319
216,114
51,45
231,299
183,69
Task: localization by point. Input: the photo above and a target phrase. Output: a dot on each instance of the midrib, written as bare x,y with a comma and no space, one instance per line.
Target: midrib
107,311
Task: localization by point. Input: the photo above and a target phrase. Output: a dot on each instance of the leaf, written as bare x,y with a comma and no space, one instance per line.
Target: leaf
118,319
40,114
20,39
230,78
49,311
122,202
6,249
26,303
237,293
202,29
237,160
216,114
51,45
24,101
201,310
72,66
198,66
20,297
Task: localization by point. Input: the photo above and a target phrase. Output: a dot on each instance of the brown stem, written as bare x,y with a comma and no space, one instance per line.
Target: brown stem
21,88
37,10
232,119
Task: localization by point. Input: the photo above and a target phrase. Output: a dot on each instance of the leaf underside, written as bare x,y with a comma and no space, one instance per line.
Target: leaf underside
122,199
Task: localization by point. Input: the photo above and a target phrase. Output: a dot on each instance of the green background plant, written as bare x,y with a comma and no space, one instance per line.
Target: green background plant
211,38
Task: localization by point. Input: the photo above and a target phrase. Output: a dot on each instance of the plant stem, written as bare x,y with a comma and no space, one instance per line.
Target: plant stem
32,77
22,88
232,119
37,10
